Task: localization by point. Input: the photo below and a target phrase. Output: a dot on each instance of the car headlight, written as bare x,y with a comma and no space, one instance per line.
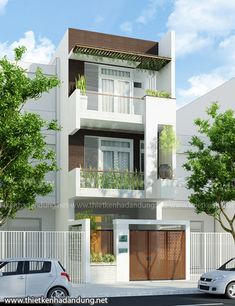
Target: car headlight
218,278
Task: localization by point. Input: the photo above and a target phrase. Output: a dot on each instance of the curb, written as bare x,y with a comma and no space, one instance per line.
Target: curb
142,293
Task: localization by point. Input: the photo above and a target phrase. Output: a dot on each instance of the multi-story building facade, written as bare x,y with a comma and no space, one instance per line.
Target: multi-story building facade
112,163
108,147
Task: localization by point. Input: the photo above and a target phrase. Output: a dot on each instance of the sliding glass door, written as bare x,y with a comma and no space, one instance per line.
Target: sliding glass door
108,98
123,103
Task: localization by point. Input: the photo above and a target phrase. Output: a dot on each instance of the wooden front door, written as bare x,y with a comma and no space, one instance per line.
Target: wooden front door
157,255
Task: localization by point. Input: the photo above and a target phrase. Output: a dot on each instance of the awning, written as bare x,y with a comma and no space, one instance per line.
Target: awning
145,61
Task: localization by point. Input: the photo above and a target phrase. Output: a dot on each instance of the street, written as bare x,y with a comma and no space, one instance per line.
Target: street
168,300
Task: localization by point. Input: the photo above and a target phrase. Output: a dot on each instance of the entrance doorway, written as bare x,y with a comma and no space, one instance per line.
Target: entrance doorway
157,255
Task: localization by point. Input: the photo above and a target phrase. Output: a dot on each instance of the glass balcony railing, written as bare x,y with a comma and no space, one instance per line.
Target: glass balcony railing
106,102
91,178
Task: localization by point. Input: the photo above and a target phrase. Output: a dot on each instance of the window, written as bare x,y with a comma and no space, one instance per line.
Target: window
137,85
116,154
108,153
116,73
39,267
116,87
141,155
11,268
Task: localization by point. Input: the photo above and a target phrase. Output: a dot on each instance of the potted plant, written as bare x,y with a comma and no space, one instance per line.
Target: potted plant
168,143
80,84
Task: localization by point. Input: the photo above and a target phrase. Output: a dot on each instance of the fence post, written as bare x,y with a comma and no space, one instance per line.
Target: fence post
205,241
65,249
3,244
86,251
220,249
24,244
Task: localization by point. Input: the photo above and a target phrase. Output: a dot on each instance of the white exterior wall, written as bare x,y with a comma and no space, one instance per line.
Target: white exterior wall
186,115
166,76
157,111
62,211
27,220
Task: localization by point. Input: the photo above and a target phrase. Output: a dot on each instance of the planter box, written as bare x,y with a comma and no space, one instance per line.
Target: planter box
103,272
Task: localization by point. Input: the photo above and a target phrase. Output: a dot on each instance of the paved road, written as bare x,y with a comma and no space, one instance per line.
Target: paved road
170,300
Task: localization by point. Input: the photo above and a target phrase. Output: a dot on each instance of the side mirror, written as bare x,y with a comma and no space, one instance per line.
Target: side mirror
1,274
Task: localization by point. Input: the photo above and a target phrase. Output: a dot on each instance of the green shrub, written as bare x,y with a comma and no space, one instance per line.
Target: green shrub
157,93
99,258
91,178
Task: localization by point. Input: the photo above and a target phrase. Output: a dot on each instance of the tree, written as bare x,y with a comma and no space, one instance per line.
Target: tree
211,164
24,156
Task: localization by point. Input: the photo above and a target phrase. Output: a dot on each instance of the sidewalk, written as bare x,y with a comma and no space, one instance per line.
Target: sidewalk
139,288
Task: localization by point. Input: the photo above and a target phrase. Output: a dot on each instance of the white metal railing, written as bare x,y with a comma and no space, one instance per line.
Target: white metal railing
209,251
64,246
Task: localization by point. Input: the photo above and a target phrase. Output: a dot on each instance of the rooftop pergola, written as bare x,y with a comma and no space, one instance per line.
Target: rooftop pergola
145,61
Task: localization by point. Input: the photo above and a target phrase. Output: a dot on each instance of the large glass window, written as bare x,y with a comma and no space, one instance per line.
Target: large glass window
116,155
116,90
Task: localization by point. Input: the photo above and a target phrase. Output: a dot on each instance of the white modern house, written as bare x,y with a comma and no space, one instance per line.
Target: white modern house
112,164
185,117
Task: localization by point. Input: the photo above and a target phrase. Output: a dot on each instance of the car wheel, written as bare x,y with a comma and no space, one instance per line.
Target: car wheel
58,293
230,290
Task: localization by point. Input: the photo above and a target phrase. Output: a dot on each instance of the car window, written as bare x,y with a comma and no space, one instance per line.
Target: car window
229,265
39,267
11,268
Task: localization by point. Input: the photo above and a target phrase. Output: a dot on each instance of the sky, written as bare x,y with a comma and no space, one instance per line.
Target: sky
205,32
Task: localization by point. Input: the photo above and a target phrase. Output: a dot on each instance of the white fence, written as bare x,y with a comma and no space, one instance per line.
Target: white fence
209,251
64,246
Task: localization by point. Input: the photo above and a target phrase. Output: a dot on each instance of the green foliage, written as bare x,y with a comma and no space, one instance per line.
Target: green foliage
211,164
91,178
157,93
167,139
81,84
87,214
24,156
19,52
99,258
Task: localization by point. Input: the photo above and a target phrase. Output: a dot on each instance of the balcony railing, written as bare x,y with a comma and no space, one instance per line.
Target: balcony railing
91,178
106,102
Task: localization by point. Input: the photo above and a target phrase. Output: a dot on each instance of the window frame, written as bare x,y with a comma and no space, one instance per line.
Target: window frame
115,80
115,149
100,155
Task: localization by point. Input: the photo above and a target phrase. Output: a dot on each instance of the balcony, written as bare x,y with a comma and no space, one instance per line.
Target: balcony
105,111
112,184
165,189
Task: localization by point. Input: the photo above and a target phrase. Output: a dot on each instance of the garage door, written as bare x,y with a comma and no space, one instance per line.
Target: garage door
157,255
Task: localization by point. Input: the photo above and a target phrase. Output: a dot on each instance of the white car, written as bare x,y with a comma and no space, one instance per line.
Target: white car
30,277
220,281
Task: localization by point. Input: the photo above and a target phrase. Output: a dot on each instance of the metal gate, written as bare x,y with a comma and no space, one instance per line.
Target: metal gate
64,246
157,255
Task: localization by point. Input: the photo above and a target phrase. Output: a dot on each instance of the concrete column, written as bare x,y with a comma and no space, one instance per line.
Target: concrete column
159,210
86,252
121,250
86,265
187,247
